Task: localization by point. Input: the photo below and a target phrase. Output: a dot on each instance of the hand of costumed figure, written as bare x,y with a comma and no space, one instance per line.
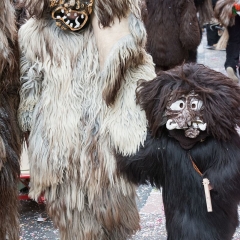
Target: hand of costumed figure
78,99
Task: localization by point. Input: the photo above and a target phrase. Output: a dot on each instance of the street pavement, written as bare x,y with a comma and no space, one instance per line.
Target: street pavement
149,199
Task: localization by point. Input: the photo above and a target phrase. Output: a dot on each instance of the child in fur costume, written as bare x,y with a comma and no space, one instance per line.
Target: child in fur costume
10,145
80,64
192,112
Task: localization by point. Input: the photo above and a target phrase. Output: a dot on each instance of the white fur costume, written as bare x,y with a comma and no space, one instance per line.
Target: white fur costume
73,132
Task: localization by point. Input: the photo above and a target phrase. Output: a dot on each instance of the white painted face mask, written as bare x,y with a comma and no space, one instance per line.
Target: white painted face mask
186,113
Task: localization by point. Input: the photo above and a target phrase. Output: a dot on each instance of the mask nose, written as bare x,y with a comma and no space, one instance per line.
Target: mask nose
186,118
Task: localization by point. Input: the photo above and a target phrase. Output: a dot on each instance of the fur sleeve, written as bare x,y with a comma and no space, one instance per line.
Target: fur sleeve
190,36
224,172
145,166
31,78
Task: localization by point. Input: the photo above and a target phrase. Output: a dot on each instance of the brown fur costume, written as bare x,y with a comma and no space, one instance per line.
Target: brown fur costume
173,30
178,164
9,132
78,102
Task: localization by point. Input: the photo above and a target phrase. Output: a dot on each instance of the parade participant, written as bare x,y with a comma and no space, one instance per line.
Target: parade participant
80,64
192,151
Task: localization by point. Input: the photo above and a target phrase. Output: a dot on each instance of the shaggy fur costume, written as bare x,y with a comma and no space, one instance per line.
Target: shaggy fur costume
10,145
78,102
165,158
173,30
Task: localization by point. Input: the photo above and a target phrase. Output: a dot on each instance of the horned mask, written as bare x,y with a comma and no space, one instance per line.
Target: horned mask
71,15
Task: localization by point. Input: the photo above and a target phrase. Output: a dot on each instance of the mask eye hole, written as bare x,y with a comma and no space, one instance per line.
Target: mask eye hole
178,105
196,104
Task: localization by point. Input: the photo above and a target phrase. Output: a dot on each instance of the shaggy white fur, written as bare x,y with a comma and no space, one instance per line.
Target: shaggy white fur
73,132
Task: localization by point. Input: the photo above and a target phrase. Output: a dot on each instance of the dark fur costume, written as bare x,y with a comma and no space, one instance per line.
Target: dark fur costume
173,30
163,161
9,132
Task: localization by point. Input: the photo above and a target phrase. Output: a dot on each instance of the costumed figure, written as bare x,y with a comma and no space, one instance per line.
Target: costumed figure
80,64
10,144
193,113
228,14
173,30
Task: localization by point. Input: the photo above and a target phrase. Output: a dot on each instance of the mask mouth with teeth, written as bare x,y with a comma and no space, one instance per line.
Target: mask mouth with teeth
186,113
71,15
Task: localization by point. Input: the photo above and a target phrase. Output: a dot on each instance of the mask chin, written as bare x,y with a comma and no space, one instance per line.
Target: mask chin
74,18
